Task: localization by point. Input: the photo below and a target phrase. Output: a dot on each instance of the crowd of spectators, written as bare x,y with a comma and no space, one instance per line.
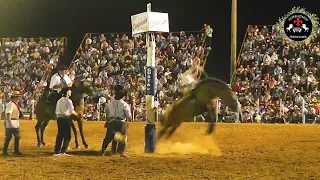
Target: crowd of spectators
110,59
23,62
276,82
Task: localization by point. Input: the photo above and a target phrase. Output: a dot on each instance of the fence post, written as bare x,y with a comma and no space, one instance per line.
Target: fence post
217,110
133,115
99,109
238,111
303,111
32,108
258,106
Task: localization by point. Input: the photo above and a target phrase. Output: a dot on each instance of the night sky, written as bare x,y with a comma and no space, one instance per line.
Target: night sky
74,18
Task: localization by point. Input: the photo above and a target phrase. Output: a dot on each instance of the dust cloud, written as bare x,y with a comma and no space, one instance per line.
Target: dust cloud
200,144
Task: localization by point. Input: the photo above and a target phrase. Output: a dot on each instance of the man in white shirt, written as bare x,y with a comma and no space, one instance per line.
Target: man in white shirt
12,124
64,111
118,111
311,81
58,81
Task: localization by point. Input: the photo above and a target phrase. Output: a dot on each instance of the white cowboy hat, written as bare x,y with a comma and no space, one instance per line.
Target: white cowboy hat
15,93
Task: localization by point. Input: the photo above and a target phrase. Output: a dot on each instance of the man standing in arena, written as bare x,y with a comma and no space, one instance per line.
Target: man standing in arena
118,111
57,82
12,124
64,110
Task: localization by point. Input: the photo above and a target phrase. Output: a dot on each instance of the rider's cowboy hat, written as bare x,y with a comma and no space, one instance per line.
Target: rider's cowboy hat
65,90
15,94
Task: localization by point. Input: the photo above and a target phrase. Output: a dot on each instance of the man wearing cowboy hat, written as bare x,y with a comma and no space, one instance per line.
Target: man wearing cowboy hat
118,111
58,81
12,124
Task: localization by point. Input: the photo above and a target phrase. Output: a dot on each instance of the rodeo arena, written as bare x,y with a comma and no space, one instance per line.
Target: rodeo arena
140,105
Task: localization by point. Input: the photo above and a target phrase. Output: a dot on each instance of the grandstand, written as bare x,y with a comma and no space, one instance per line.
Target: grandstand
269,78
277,83
24,63
107,59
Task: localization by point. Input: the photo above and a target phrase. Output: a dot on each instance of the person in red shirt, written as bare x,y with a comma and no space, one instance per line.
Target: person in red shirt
238,87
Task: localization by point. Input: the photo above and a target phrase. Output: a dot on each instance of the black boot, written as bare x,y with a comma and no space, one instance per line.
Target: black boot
122,148
104,147
16,146
5,148
114,147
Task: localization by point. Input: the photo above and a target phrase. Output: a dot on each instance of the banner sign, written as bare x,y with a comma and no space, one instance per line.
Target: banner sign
158,22
139,23
151,80
149,22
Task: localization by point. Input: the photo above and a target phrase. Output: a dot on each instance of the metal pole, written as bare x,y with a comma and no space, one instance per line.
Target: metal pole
217,110
238,111
99,109
281,108
258,106
150,63
233,39
32,108
303,111
151,75
133,115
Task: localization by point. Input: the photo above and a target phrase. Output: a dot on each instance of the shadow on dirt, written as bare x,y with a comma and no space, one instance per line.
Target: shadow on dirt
76,153
84,153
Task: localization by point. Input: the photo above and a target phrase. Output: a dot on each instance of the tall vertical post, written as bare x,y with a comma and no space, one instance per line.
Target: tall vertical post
258,106
303,112
149,23
217,110
151,78
238,111
233,40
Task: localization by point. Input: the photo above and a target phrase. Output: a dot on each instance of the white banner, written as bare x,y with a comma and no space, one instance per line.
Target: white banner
158,22
139,23
150,21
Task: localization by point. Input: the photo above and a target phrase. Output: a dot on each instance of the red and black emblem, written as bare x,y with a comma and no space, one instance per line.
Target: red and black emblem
298,27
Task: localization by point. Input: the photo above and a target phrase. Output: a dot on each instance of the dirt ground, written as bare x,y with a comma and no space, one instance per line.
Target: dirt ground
236,151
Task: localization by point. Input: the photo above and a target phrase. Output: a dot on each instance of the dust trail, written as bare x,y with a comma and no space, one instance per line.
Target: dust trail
200,144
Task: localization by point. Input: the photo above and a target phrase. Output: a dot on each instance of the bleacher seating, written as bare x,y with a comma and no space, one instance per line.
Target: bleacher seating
110,59
23,62
273,78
